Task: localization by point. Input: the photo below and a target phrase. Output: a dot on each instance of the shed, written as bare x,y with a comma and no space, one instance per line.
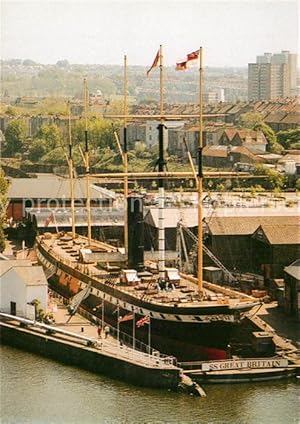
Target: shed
230,239
20,284
292,289
275,245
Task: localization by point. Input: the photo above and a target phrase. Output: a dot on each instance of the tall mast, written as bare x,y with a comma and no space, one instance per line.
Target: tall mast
87,162
200,179
161,167
71,171
125,156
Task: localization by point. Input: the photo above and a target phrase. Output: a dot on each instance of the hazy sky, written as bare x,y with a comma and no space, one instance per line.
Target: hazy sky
102,31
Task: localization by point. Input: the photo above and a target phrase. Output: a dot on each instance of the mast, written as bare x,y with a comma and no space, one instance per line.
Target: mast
200,179
87,163
125,157
71,171
161,166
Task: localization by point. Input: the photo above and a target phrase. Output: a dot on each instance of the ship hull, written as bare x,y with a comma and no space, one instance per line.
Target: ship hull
187,333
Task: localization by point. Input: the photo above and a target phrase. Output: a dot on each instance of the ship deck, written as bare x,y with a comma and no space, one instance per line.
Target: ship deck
185,294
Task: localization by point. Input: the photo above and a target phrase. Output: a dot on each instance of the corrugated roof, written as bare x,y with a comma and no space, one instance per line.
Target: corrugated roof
229,226
53,187
294,269
290,156
291,118
172,216
215,151
281,233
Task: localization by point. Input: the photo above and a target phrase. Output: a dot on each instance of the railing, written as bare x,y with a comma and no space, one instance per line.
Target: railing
124,340
105,346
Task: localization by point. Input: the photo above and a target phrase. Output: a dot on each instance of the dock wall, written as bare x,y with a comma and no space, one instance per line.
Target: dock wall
88,358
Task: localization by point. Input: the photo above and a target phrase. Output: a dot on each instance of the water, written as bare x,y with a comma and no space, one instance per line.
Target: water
37,390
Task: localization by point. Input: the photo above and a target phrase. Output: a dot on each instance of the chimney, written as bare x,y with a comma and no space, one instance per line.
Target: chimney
135,233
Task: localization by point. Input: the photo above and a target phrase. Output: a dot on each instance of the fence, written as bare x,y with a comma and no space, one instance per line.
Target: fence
127,346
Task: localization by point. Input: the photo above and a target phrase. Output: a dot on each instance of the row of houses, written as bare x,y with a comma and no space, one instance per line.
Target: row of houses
280,114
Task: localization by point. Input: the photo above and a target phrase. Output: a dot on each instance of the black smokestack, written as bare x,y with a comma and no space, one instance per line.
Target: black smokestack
135,233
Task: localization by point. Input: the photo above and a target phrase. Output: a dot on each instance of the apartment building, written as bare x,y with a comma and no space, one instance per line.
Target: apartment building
272,76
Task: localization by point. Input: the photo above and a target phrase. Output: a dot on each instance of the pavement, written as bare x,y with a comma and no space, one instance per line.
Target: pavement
285,326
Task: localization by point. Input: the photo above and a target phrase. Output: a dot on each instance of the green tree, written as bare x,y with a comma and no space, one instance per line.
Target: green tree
15,136
289,139
254,121
50,135
273,145
274,180
100,133
250,120
55,156
3,200
37,149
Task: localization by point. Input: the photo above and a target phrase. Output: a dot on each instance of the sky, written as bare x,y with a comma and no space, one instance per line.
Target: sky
231,33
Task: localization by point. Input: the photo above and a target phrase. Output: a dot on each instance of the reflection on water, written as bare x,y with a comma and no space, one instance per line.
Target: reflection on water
38,390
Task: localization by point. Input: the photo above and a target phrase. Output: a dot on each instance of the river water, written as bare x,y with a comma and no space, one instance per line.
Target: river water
39,390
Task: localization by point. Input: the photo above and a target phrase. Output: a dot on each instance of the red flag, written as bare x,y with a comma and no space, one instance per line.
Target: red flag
127,317
141,322
49,220
181,66
155,63
193,56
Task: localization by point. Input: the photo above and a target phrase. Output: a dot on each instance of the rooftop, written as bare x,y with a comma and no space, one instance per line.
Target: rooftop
287,233
53,187
31,275
229,226
294,269
6,265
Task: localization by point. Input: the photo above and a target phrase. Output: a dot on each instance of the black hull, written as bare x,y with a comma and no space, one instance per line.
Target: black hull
186,340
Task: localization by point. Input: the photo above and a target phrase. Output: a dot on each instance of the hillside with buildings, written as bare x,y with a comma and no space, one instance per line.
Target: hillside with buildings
27,80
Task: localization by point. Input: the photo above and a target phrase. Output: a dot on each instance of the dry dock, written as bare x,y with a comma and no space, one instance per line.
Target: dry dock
77,343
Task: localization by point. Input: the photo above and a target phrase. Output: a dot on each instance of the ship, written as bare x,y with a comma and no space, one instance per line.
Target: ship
173,313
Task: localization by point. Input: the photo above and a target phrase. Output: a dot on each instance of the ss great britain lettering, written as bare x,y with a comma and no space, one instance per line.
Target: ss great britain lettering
174,313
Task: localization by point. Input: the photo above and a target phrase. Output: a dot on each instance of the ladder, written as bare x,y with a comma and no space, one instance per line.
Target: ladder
231,278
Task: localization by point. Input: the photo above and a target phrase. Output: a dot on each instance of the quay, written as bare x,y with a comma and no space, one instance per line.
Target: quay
285,364
78,342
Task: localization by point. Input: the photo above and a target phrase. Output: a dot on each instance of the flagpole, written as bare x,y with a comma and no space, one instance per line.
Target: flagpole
102,315
161,85
149,335
71,171
200,179
161,168
118,323
125,156
87,163
133,331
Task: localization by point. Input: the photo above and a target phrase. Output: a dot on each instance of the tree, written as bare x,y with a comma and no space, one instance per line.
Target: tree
37,149
50,134
11,111
273,145
29,62
3,199
274,179
15,136
62,63
289,139
250,120
254,121
55,156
